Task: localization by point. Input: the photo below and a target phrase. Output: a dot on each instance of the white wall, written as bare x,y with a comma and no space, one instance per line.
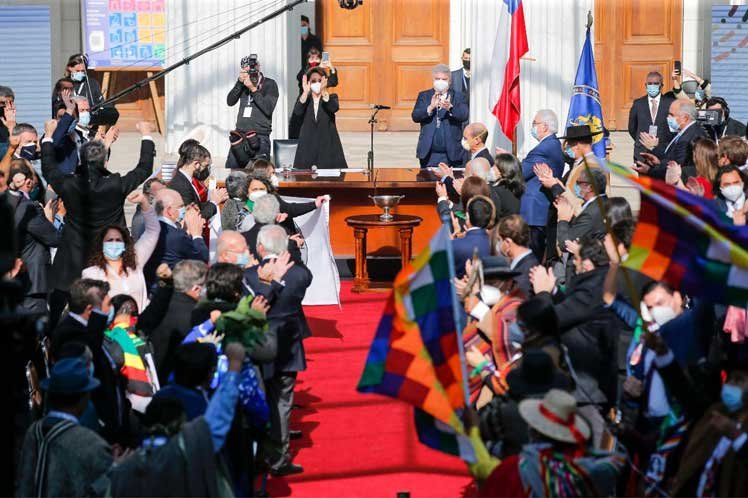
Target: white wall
196,93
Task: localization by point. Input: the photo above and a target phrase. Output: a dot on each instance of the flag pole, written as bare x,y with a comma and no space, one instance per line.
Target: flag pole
457,317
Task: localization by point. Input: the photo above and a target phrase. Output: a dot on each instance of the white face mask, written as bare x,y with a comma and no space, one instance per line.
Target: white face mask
274,181
316,87
490,295
465,144
662,314
256,195
732,192
440,86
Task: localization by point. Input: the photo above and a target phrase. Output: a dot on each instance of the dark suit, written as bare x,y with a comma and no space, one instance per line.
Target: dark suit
461,84
286,318
451,124
463,248
680,150
183,185
319,142
93,200
168,335
173,246
251,237
589,221
35,236
66,147
733,128
505,201
640,119
523,279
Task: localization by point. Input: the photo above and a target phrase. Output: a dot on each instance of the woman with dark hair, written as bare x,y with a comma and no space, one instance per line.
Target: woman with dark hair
509,185
58,105
319,142
84,86
116,259
313,59
619,209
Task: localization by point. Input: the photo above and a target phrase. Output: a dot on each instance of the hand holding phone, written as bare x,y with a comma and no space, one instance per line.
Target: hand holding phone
677,67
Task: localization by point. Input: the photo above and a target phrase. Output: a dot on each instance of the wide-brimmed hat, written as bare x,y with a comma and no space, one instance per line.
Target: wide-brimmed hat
70,376
497,267
536,375
555,416
579,132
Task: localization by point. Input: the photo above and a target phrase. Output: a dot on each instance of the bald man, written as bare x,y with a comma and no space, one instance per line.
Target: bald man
474,138
232,248
181,234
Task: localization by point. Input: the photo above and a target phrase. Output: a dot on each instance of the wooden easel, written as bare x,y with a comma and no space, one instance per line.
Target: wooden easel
109,79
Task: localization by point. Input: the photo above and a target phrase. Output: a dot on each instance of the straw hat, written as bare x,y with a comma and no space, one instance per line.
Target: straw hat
555,417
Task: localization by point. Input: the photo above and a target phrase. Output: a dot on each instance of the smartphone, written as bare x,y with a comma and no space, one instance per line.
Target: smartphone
676,67
653,130
325,56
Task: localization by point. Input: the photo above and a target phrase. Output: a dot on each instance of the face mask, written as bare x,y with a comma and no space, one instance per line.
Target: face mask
534,133
253,196
466,65
662,314
465,144
578,191
500,250
113,250
440,86
242,260
110,316
78,76
732,397
91,366
569,152
732,192
304,30
316,87
202,174
29,152
653,90
84,119
35,192
490,295
515,332
274,181
699,95
314,64
672,123
182,213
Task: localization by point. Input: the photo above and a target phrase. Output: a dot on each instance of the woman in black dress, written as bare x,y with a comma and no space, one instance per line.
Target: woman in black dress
319,143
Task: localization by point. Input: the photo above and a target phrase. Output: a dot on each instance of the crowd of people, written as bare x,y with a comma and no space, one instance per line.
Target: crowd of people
144,367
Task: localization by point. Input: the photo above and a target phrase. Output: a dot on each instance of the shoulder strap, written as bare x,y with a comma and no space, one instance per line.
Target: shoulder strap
42,443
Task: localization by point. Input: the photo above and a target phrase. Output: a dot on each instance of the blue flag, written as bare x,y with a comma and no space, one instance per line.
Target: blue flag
585,108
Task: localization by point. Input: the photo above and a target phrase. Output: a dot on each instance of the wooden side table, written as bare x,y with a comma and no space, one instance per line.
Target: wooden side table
361,224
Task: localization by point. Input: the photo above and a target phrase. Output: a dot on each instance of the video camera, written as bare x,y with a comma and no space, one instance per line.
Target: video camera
710,117
252,64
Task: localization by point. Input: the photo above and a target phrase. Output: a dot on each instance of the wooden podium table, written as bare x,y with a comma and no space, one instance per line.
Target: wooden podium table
350,197
402,223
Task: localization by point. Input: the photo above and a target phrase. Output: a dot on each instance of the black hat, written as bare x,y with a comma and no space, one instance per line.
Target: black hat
497,267
536,375
538,315
579,132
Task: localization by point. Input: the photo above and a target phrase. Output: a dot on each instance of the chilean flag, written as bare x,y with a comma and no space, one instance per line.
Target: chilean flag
510,45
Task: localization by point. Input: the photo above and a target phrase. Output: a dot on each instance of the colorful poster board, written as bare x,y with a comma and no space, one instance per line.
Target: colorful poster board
124,34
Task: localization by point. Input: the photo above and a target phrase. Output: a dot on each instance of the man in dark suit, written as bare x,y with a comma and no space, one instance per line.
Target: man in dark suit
286,317
534,204
93,199
440,111
513,243
266,210
461,77
35,234
189,280
194,166
681,121
729,125
175,242
650,110
480,212
72,132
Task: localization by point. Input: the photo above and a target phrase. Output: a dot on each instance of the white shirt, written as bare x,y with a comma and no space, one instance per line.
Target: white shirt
656,100
78,318
475,154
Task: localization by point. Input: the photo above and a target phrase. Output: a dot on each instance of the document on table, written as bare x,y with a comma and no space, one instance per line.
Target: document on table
328,172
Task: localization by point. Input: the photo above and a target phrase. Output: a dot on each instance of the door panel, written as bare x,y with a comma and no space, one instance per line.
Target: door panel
384,52
648,39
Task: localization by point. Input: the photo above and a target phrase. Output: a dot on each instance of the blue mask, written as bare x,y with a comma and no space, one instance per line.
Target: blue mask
699,95
534,133
182,212
35,193
569,152
242,260
84,119
732,397
672,123
78,76
516,334
110,316
653,90
578,191
113,250
304,30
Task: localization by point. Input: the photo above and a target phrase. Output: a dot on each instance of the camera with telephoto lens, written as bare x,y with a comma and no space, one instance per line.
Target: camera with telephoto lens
250,62
709,117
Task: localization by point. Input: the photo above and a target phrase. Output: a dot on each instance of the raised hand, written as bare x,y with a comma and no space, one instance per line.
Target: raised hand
305,85
648,141
443,170
564,208
281,266
10,116
321,199
111,136
441,190
219,195
67,98
193,223
542,279
434,103
281,217
298,239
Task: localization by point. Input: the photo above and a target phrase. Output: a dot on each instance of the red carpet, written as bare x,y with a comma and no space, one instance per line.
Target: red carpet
357,444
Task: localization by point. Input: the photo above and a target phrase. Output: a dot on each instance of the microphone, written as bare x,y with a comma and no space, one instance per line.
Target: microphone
379,106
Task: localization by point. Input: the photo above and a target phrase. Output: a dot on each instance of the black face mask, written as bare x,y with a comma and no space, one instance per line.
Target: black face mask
202,174
466,65
29,152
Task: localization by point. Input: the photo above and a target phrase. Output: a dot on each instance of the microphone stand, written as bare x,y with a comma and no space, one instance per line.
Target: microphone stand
370,155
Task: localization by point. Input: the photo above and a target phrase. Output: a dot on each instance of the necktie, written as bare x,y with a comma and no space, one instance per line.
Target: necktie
654,110
202,194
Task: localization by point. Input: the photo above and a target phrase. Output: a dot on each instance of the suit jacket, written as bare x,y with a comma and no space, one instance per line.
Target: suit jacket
173,246
285,317
523,279
505,201
319,142
453,121
588,221
181,184
168,335
35,236
458,84
66,147
534,204
463,247
93,200
733,128
251,237
680,150
640,119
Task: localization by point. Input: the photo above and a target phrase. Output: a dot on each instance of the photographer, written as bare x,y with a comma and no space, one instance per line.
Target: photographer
257,96
727,125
